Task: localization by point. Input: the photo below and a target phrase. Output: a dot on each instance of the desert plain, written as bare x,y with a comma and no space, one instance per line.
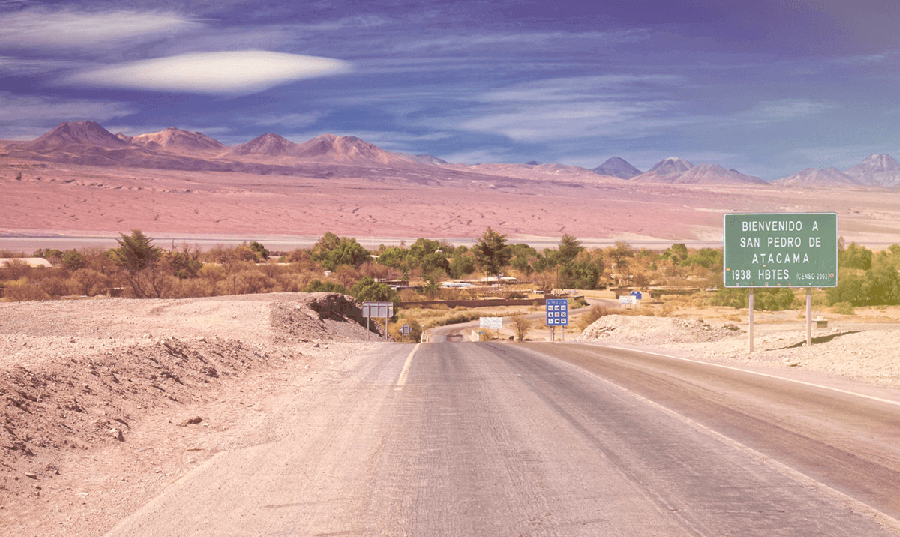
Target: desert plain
77,204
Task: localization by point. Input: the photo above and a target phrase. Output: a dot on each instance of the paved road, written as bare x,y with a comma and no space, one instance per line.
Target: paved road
504,439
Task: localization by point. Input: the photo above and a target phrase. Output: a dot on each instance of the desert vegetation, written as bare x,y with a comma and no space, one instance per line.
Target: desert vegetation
139,268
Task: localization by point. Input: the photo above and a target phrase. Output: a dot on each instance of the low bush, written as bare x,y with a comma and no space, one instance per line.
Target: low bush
589,317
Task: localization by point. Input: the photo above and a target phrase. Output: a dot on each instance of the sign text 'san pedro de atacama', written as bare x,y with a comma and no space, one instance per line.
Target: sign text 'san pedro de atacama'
781,250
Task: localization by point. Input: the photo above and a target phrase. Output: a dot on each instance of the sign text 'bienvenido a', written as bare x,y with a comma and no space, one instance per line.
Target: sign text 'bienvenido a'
781,250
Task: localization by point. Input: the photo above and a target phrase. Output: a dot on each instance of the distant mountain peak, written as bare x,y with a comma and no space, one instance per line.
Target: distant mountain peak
617,167
671,165
76,133
815,177
173,138
877,170
270,144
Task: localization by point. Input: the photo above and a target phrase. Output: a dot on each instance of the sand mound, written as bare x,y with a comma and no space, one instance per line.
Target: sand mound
653,330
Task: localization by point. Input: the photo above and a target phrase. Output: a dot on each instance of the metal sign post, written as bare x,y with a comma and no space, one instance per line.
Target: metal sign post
808,316
751,319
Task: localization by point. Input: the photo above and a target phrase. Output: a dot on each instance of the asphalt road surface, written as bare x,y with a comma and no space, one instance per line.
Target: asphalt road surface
508,439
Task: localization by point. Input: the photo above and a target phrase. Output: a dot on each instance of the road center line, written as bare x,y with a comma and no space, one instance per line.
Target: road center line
405,372
873,398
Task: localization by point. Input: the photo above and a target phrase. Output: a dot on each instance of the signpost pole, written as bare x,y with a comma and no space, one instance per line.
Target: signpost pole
367,328
751,319
385,324
808,316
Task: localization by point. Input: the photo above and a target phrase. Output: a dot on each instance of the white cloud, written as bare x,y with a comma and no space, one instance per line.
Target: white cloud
19,67
43,28
572,108
223,73
134,130
787,109
478,156
41,110
290,121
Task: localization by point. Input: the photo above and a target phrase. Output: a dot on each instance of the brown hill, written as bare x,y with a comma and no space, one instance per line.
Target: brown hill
349,149
816,177
715,174
877,170
665,171
268,144
173,139
74,134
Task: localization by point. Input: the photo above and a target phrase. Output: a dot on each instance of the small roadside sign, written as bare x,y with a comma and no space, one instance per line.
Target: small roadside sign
377,309
557,312
404,329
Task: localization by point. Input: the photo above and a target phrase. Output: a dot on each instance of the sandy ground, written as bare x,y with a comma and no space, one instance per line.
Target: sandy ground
852,349
106,401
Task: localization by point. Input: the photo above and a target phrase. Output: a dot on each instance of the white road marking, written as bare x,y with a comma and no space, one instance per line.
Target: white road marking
405,372
882,518
873,398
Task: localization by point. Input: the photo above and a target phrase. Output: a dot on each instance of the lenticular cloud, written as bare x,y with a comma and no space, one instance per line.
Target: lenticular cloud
224,73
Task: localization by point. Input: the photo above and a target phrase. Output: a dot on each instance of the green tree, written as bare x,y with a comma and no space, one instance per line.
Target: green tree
368,290
184,264
620,254
461,265
491,252
139,260
854,256
882,285
260,250
583,272
850,289
332,251
72,260
317,286
569,248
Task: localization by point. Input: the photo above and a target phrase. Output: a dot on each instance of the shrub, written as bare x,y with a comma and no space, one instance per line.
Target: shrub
844,308
24,289
90,282
56,286
589,317
520,326
317,286
415,329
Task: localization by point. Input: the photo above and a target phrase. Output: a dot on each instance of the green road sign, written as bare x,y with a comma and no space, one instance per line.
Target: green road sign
781,250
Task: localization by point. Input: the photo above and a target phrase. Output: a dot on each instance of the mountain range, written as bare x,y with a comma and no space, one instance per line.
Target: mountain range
88,143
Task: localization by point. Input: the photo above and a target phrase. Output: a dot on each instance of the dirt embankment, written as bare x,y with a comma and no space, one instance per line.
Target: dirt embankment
78,375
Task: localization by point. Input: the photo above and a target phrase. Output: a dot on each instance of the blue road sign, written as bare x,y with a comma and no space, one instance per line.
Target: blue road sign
557,312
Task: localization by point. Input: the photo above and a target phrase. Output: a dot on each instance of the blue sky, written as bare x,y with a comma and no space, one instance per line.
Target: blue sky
768,88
